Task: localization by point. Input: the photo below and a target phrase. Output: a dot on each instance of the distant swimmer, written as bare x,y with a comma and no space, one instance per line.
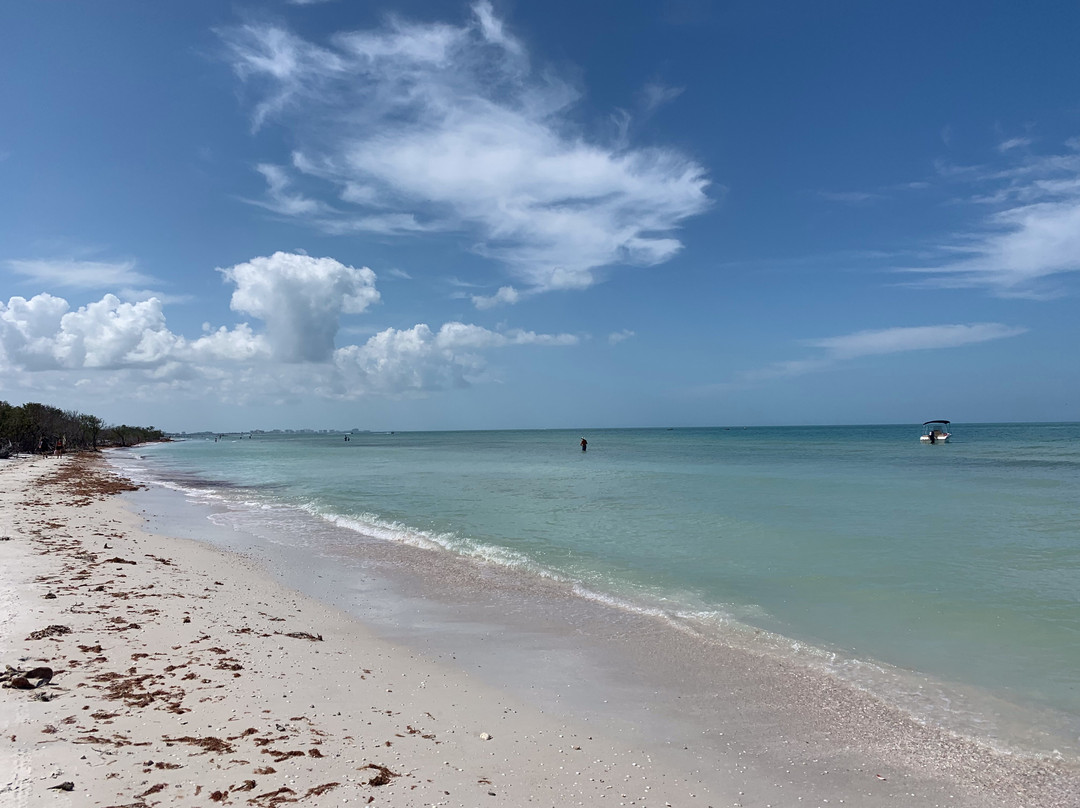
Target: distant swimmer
584,445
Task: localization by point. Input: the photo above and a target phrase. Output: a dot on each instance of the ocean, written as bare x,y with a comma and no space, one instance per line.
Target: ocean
944,579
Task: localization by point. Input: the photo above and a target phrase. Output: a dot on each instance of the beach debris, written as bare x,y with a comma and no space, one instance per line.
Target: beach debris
117,560
21,680
49,631
318,791
485,736
209,744
383,777
50,596
302,635
65,786
280,756
274,797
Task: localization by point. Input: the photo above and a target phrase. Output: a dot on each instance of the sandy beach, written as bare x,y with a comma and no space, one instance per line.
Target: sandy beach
148,670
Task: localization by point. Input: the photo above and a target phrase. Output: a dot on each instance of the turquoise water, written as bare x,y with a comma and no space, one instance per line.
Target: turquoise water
960,561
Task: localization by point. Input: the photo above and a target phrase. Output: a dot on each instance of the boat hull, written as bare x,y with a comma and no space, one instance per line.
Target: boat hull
940,437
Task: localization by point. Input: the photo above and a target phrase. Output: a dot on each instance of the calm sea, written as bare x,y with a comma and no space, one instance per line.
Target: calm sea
856,548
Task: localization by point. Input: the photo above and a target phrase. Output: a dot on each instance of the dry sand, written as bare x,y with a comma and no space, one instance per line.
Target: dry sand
182,675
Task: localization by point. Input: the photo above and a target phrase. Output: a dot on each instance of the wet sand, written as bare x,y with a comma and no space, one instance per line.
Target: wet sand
185,675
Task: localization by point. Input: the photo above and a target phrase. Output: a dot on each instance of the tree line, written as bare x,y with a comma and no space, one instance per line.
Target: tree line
33,427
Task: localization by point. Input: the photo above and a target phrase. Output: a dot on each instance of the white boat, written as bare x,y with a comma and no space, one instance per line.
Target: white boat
935,432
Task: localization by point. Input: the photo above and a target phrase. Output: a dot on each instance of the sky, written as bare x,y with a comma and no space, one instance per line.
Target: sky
511,214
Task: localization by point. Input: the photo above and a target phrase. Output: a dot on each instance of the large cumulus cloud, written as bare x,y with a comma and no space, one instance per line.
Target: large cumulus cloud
43,334
297,301
301,300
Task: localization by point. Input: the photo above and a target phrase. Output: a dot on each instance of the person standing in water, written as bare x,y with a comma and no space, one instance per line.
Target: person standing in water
584,445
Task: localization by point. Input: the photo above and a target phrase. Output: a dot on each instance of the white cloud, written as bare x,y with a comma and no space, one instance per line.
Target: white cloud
109,334
28,329
655,95
917,338
414,127
616,337
849,197
506,294
1031,235
300,299
418,360
239,344
280,199
80,274
42,333
882,341
1014,143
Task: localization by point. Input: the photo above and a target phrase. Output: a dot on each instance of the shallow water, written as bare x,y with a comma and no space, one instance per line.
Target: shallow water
944,578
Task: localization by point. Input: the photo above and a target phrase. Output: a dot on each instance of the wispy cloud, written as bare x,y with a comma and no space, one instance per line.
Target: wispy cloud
1030,234
834,350
432,126
916,338
850,197
75,274
280,198
1014,143
655,95
616,337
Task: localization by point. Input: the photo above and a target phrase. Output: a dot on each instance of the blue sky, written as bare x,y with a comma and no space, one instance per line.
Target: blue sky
421,215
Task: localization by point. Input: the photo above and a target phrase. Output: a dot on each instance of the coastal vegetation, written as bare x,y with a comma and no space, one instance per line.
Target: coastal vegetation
34,427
